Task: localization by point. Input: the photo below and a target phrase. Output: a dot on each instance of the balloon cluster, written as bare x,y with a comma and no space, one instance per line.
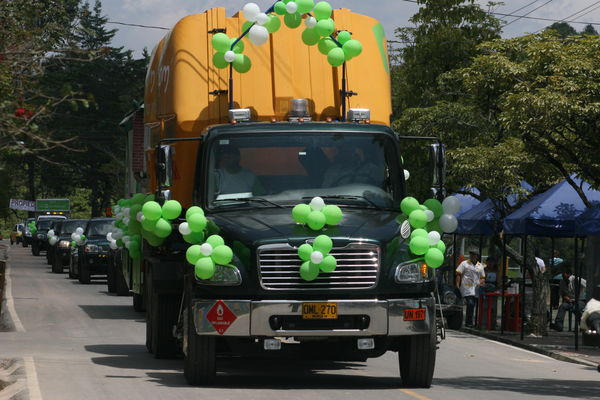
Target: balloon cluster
316,258
316,214
193,229
52,239
319,30
77,237
428,221
32,227
207,256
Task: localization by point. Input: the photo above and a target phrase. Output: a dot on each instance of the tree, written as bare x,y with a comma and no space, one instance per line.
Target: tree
562,29
589,30
446,36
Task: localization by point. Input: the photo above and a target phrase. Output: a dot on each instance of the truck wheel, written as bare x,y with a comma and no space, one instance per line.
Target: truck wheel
35,249
416,357
164,311
84,274
454,320
110,278
48,258
57,266
25,244
199,366
121,287
71,269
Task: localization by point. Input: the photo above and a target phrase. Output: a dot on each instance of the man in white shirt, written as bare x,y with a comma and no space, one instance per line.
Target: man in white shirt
567,292
469,276
232,178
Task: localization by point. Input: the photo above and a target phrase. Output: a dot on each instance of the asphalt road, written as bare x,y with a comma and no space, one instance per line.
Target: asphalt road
78,342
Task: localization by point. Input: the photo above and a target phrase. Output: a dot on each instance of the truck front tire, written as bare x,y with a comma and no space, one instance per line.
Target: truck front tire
35,249
162,312
84,274
57,265
416,358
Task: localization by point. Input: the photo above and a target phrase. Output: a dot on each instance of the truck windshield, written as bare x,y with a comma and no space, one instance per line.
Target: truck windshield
263,170
99,228
69,227
44,224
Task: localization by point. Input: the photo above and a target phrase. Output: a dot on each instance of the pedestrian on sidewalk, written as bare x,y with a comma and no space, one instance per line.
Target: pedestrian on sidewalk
590,320
469,276
567,293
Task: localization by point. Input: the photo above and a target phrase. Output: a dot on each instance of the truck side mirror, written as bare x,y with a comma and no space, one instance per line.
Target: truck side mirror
164,165
437,156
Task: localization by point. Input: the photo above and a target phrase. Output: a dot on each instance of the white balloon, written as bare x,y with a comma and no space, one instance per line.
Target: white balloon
77,238
291,7
126,220
310,22
117,209
184,228
448,223
430,215
118,235
73,235
451,205
434,237
262,19
258,35
51,232
406,174
113,245
109,236
79,230
139,216
127,212
316,257
206,249
251,11
53,240
229,56
127,243
317,203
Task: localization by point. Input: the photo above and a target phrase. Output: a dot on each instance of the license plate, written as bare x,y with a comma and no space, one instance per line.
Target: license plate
414,314
319,310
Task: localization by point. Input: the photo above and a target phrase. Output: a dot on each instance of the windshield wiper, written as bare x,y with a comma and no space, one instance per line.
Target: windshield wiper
256,199
349,197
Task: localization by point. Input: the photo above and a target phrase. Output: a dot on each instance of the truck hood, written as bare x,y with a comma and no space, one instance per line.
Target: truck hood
254,227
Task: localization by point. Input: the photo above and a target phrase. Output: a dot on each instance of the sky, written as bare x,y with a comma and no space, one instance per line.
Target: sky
391,13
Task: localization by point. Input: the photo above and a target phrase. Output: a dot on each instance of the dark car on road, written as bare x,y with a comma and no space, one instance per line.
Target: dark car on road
92,256
39,240
59,253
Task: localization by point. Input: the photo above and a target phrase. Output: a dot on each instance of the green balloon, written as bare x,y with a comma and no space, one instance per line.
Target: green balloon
148,225
152,210
423,207
441,246
333,214
305,6
242,63
134,210
121,202
305,251
134,227
419,245
280,8
434,226
292,20
120,243
322,10
193,210
325,27
323,243
343,37
138,198
418,232
309,271
221,42
219,61
74,243
329,264
352,48
246,26
435,206
193,254
417,219
316,220
205,268
222,255
408,205
335,57
148,198
215,241
273,24
194,237
171,209
239,46
300,213
310,37
154,240
134,247
163,228
197,222
434,258
326,44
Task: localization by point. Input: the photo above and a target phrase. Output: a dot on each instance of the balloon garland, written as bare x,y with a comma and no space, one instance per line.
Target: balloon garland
317,214
207,256
32,227
316,258
320,28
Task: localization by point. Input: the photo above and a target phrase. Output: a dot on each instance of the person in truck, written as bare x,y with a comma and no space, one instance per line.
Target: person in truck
232,178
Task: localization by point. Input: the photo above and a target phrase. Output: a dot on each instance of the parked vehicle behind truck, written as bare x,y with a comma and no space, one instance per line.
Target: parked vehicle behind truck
60,252
287,140
39,240
90,257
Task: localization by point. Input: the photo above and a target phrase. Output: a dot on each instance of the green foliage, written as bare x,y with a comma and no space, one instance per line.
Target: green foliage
562,29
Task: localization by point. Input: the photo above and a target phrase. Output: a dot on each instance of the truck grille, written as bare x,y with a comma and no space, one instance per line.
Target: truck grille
357,268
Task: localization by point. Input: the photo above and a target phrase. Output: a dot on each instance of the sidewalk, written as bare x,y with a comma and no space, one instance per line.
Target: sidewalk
558,345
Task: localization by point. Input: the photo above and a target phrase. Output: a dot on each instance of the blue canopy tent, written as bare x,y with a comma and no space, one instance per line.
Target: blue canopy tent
552,214
588,223
479,220
467,201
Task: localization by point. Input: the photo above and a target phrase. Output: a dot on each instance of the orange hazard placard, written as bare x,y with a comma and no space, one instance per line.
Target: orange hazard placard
220,317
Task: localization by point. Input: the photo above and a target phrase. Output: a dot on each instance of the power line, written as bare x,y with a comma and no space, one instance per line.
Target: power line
525,6
572,15
137,25
523,16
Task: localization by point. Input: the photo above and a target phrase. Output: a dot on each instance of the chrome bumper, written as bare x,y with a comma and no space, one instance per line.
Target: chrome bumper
245,318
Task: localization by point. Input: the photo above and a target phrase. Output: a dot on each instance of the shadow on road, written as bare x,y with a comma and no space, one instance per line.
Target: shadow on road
111,312
537,387
242,373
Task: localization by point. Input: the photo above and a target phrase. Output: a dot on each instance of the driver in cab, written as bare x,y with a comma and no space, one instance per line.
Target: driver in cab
353,165
232,178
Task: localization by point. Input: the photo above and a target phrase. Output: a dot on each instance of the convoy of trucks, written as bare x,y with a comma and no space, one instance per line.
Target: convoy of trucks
298,129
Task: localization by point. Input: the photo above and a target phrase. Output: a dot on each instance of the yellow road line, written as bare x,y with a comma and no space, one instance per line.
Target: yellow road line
414,394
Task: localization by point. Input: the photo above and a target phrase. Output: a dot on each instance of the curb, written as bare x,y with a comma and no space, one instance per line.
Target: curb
525,346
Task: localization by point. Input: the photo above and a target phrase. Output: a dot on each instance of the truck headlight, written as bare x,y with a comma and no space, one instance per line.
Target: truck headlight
41,236
224,276
411,272
63,244
90,248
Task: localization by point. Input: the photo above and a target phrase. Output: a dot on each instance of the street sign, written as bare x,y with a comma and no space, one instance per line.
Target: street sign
26,205
220,317
52,205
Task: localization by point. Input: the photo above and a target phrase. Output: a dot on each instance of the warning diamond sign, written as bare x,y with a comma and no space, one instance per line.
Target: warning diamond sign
220,317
